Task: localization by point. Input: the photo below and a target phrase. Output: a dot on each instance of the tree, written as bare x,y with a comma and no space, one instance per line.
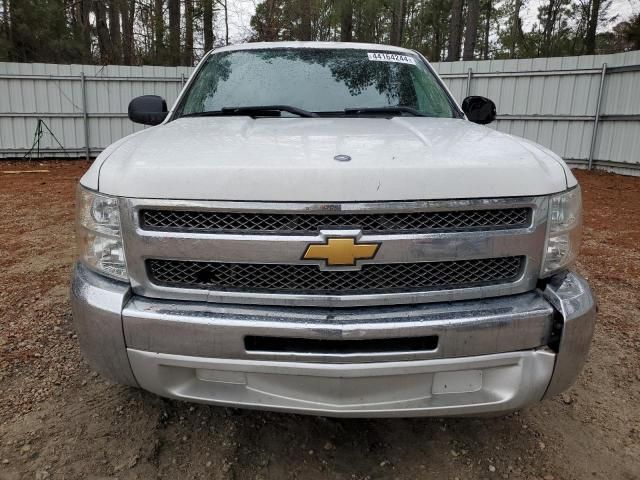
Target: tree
174,32
590,40
397,21
266,21
579,14
346,20
438,20
549,16
207,24
225,9
5,32
128,9
631,32
369,23
82,27
471,33
159,32
305,20
516,27
188,32
488,13
115,36
102,30
455,31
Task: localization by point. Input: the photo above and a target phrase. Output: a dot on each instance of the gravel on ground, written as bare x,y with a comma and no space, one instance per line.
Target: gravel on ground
60,420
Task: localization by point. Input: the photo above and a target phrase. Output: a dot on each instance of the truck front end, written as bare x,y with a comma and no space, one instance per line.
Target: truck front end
366,286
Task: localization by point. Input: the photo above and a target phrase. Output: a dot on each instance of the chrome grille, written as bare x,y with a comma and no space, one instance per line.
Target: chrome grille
310,280
278,223
497,245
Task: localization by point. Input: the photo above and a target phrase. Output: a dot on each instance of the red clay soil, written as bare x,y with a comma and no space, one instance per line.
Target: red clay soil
60,420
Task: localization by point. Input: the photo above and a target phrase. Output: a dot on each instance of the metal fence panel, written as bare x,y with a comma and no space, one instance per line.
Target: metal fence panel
58,95
552,101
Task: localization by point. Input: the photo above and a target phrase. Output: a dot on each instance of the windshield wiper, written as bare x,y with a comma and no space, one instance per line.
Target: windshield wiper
383,111
262,110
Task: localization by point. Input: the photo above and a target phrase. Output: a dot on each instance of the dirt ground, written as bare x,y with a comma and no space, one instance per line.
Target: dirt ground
59,420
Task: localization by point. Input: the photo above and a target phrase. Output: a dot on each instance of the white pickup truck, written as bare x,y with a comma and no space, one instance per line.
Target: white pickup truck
320,228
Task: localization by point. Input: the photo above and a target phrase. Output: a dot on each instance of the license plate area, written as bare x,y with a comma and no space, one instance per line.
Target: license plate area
339,347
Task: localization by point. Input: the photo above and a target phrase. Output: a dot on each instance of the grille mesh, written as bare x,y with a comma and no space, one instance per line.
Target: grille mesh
310,280
207,221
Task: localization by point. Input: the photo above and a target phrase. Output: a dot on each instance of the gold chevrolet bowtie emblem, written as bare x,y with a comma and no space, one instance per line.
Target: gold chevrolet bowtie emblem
341,251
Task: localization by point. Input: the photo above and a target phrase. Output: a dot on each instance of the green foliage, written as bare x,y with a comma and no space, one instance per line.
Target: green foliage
40,32
5,47
560,30
81,31
631,32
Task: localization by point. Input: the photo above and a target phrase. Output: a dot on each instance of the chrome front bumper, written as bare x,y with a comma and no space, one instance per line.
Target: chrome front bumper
492,355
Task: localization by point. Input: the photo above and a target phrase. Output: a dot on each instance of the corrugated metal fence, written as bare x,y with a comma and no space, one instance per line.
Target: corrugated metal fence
84,106
583,108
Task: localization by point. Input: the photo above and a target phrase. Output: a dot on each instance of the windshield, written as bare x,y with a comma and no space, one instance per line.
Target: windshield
322,81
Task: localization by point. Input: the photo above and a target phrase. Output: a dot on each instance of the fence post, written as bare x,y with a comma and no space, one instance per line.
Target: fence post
469,76
183,80
596,120
85,116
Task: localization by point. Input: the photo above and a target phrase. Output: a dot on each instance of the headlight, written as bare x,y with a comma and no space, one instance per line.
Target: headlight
99,236
564,231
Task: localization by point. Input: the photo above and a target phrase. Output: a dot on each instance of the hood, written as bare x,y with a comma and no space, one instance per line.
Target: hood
292,159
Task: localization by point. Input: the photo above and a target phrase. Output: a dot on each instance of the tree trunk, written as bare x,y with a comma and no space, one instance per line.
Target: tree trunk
128,8
226,23
159,27
403,19
305,20
8,27
271,28
188,32
83,26
5,19
346,21
516,27
455,31
225,9
435,45
471,34
102,30
487,27
397,22
590,40
549,26
114,32
207,20
174,32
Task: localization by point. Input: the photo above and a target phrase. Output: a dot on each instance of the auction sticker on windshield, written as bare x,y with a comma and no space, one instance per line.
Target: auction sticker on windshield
391,57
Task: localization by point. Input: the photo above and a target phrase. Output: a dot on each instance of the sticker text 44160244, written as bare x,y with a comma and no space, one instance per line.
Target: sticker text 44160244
391,57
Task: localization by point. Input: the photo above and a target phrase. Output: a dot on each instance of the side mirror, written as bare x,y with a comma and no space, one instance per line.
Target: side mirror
479,109
148,110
